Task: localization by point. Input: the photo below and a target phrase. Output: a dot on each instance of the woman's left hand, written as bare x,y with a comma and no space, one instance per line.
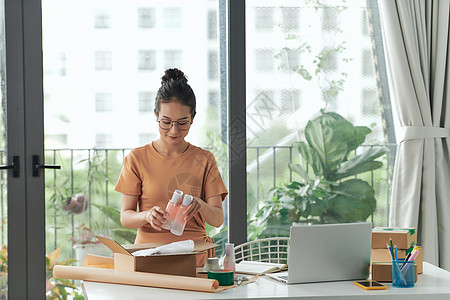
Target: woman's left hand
193,208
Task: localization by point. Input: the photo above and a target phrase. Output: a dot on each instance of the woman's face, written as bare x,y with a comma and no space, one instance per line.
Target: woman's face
169,112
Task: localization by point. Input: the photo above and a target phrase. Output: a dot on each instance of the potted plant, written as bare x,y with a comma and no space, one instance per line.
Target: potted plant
58,288
76,204
329,190
85,242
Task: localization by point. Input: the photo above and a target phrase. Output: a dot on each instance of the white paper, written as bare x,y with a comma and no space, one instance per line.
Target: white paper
186,246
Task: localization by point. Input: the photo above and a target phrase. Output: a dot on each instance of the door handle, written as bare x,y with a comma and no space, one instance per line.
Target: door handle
15,166
37,166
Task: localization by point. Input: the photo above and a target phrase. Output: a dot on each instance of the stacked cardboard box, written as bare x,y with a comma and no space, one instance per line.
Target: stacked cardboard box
404,238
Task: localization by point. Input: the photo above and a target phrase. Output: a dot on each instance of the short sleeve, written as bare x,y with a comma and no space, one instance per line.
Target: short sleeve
129,181
214,184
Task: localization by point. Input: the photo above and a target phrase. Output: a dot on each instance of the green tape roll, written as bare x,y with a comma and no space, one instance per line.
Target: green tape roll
224,277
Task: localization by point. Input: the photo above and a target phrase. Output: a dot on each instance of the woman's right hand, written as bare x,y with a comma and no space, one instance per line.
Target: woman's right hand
156,216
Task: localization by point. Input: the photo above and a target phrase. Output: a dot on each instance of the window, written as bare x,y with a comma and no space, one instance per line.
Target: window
146,102
213,65
264,59
103,102
172,59
330,19
146,17
291,17
103,60
368,68
102,19
213,99
172,17
264,18
103,140
212,25
317,53
290,100
289,59
146,60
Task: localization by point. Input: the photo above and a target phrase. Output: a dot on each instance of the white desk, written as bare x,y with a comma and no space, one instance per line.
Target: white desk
434,283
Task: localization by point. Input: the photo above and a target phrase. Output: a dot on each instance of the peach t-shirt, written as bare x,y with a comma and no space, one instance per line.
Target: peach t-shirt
153,178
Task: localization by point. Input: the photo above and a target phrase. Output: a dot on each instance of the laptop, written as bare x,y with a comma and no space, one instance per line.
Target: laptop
329,252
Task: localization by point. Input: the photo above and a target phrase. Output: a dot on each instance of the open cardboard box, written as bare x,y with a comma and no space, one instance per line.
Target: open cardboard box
183,264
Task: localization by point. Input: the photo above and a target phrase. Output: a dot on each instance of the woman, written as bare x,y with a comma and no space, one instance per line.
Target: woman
151,173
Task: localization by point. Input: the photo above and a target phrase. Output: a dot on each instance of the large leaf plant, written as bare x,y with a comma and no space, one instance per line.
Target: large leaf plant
329,190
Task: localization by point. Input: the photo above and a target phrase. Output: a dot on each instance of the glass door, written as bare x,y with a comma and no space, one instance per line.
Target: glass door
4,163
103,63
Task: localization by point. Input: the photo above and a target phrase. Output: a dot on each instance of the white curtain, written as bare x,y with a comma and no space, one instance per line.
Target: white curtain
416,36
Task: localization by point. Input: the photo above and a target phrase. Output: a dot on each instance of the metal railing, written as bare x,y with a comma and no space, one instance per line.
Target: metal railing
94,172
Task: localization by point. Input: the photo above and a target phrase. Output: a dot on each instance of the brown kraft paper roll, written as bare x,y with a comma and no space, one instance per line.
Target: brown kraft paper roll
136,278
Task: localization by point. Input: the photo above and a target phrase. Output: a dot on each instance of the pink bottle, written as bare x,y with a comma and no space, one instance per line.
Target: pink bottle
229,262
179,222
172,209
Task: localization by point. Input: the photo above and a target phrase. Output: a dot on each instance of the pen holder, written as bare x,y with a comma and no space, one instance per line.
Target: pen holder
403,273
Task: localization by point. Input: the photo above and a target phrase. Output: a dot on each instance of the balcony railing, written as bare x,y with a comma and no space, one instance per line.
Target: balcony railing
93,173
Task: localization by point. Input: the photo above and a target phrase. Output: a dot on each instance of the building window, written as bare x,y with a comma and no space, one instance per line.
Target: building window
147,60
330,19
368,69
213,99
291,18
146,17
265,60
329,59
364,23
102,19
370,106
146,102
103,140
172,17
172,59
290,100
103,60
103,102
289,59
213,65
264,18
212,24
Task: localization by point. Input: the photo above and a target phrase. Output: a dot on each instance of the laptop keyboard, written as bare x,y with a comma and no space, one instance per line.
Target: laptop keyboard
284,277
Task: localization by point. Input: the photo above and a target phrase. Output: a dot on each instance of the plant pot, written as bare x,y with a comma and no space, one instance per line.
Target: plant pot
82,249
76,204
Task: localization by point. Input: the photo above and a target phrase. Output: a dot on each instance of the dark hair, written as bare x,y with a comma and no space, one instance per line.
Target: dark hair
174,87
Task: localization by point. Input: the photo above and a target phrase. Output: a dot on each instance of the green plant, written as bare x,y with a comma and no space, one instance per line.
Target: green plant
3,272
120,233
57,288
332,194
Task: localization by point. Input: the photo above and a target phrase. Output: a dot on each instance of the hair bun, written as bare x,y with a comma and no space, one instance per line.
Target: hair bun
174,74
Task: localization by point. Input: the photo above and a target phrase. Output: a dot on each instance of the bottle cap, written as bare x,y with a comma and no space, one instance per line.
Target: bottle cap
187,200
176,196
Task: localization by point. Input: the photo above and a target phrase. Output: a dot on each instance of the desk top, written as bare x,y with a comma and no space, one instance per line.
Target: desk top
434,283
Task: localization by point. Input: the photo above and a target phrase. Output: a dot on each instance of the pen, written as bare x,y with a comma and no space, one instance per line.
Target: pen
409,254
392,248
390,251
396,257
411,258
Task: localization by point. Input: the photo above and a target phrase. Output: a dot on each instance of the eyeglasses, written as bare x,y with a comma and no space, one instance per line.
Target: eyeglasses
167,125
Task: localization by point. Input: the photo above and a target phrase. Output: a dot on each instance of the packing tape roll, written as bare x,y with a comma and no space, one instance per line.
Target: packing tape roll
224,277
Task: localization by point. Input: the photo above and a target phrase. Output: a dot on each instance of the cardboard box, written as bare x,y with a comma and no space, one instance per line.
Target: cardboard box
172,264
382,271
382,255
403,238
